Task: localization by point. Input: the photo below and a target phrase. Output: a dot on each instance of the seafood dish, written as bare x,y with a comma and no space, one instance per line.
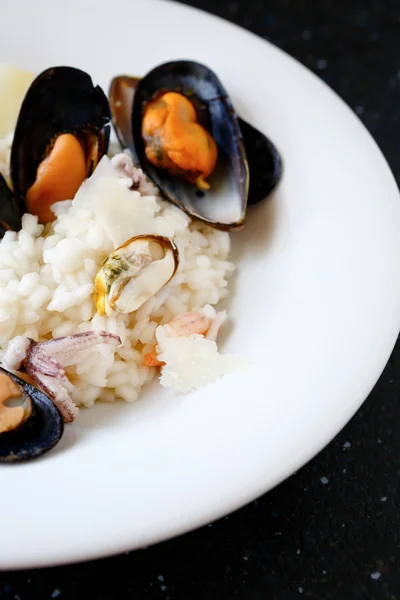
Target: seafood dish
114,255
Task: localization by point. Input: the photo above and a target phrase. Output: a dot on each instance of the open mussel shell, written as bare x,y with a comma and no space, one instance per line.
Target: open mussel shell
224,204
40,429
10,217
263,158
60,100
134,272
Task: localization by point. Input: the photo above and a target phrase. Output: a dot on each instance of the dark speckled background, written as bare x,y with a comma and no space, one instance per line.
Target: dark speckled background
332,531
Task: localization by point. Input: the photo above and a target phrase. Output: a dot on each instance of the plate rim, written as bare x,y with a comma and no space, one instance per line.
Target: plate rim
297,462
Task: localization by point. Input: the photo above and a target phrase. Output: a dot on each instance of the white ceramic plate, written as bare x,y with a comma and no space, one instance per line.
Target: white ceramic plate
316,302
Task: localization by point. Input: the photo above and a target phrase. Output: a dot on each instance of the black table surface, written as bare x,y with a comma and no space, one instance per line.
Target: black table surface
331,531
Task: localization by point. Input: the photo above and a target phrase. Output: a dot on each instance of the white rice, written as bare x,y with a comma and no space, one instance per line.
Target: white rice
46,287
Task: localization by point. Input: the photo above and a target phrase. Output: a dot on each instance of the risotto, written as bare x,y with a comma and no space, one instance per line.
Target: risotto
112,264
47,274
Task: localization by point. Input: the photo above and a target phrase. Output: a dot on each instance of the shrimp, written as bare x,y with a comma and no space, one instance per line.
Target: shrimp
188,324
180,326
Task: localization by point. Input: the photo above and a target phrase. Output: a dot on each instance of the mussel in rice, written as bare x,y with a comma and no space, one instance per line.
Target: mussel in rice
62,132
10,217
134,272
245,154
30,424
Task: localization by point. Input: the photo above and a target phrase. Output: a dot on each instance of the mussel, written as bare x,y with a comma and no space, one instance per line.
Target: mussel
62,132
9,214
30,424
134,272
244,153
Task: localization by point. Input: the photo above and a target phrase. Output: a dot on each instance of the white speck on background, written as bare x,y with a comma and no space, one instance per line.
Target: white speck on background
245,558
324,480
375,576
324,572
301,590
322,64
160,578
344,470
379,441
56,593
346,445
298,551
384,498
163,588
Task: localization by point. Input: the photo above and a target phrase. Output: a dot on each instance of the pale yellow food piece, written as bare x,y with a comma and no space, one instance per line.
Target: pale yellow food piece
14,84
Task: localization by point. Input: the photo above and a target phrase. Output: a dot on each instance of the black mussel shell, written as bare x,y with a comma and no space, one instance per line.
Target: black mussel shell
264,160
265,163
41,432
10,217
224,205
60,100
